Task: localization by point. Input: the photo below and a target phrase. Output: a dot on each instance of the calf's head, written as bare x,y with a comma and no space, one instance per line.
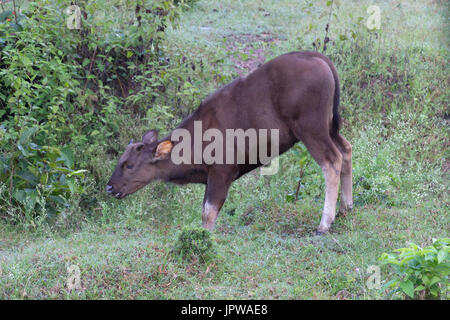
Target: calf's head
138,165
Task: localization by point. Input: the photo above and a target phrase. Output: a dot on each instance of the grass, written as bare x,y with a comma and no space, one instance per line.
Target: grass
395,105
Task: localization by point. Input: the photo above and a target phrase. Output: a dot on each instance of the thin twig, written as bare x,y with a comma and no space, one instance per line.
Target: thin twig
302,172
11,181
326,39
120,85
15,12
90,68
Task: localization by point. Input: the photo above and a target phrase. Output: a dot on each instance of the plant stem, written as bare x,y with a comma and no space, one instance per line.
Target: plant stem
15,13
325,40
90,68
299,184
11,181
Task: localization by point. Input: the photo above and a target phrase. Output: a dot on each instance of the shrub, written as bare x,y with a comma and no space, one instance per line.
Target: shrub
420,273
40,178
194,242
63,87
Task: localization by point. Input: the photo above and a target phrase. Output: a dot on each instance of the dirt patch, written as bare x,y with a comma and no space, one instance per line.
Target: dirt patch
343,295
249,50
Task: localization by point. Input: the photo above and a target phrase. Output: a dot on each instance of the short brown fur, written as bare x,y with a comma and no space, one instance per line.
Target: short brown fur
296,93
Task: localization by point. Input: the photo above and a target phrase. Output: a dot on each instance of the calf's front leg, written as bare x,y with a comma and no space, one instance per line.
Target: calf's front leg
215,194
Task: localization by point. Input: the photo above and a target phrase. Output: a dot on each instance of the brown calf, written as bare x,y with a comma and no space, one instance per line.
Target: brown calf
296,93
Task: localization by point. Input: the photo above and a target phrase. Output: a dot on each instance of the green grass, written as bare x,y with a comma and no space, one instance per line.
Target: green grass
266,248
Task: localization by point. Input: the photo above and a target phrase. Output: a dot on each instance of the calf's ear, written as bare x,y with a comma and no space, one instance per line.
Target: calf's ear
163,150
150,136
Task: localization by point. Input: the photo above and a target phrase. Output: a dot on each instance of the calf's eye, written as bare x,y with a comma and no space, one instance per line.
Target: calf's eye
129,166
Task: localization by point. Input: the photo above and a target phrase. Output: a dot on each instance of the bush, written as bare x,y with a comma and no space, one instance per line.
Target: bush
41,178
62,87
195,243
420,273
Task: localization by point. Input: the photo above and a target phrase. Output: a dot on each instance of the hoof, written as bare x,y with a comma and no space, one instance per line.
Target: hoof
344,210
320,233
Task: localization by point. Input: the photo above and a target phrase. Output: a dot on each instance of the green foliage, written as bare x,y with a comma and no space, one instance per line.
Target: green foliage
309,182
10,22
73,87
195,243
36,87
420,272
40,178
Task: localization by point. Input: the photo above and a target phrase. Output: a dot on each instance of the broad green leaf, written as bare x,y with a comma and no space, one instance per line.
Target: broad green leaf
19,195
26,61
419,288
426,281
389,284
434,291
434,280
58,199
30,198
23,150
26,135
62,170
408,288
67,157
442,255
28,177
85,62
403,261
44,179
77,173
72,186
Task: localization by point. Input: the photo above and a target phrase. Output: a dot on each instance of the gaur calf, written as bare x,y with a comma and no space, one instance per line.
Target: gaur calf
295,95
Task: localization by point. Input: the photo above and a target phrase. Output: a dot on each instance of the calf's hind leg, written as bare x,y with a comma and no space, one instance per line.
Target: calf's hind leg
329,158
346,173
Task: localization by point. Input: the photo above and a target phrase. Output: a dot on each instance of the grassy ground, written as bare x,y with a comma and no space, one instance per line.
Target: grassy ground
395,105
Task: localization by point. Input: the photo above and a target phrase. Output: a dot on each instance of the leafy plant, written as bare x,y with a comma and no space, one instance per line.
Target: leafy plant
308,182
40,178
73,87
194,242
420,273
304,161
